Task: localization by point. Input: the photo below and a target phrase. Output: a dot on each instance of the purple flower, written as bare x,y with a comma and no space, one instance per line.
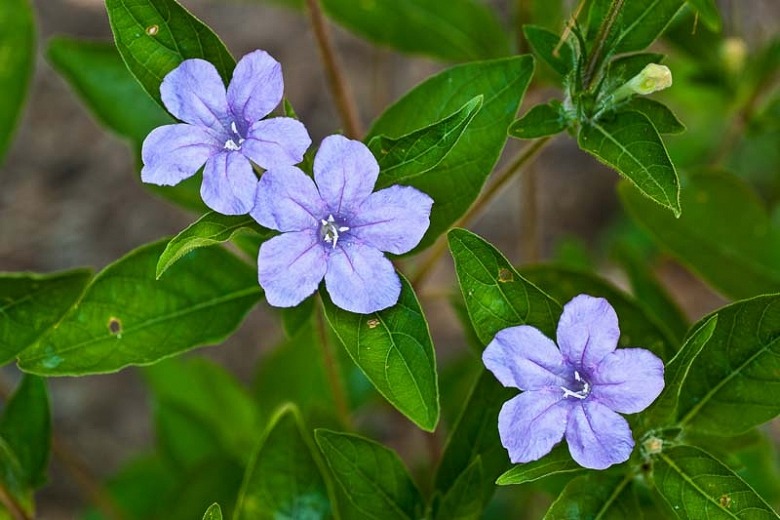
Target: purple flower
574,391
336,229
223,129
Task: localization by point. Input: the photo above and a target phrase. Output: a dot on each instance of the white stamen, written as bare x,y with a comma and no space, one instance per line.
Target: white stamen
330,232
580,394
234,127
235,143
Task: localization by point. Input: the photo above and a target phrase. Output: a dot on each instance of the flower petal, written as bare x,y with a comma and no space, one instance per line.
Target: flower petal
345,172
587,331
524,358
628,380
172,153
597,436
290,267
532,423
256,88
280,141
288,200
360,279
394,219
194,93
229,184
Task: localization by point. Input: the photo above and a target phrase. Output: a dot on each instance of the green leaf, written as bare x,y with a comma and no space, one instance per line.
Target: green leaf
556,462
466,30
99,76
296,318
544,44
660,115
394,350
283,480
13,483
214,480
210,229
725,236
455,182
126,317
371,476
540,121
709,13
464,499
422,150
597,496
214,512
26,428
693,483
154,36
30,304
638,24
732,385
629,143
637,328
17,57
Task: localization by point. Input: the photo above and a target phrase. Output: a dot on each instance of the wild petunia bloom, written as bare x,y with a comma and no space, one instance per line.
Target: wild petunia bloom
575,391
224,129
336,229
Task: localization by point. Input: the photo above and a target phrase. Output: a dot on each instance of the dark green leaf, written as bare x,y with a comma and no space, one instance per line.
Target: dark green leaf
154,36
422,150
725,235
30,304
26,428
371,476
215,480
708,11
214,512
596,496
629,143
13,483
17,48
210,229
464,499
732,385
637,329
126,317
296,318
639,23
466,30
556,462
698,486
283,480
394,350
496,295
544,44
659,114
455,183
540,121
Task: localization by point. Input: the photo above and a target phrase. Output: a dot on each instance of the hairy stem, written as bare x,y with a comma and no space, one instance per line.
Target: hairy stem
596,54
11,505
338,85
332,369
501,179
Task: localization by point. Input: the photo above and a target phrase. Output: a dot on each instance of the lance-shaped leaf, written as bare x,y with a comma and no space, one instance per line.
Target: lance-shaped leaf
554,463
698,486
456,181
638,24
725,235
547,46
422,150
660,115
464,500
126,317
17,49
597,496
154,36
732,385
466,30
283,479
214,512
30,304
629,143
26,428
371,477
394,350
13,484
540,121
210,229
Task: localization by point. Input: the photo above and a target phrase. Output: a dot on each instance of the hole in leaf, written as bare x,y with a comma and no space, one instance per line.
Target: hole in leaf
505,275
372,323
152,30
114,326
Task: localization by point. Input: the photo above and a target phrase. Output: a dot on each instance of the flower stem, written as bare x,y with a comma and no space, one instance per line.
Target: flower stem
501,179
596,55
332,370
11,505
338,85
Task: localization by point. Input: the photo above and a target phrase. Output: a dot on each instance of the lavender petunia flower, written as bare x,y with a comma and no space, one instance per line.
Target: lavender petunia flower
224,129
336,229
575,391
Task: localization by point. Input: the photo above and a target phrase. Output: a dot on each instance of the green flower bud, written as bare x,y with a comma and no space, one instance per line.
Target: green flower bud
653,78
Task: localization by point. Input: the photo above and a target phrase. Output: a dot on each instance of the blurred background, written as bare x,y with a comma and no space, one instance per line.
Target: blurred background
70,197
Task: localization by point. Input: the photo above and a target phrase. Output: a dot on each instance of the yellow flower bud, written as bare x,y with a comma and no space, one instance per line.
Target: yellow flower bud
733,52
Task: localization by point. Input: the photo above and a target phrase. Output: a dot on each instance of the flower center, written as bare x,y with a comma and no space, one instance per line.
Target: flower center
583,391
234,143
329,230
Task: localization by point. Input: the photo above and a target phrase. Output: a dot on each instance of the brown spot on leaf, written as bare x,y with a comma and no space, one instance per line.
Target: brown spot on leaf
725,500
114,326
372,323
152,30
505,275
